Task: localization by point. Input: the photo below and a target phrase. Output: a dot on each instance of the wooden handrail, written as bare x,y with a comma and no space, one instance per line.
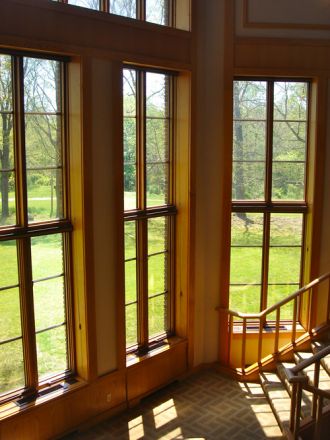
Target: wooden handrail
278,304
307,362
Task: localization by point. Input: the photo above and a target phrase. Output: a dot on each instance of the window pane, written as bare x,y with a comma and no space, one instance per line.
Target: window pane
157,95
8,264
51,352
286,229
246,229
157,316
11,366
127,8
131,325
157,11
248,180
245,265
130,195
7,178
129,92
250,100
157,134
288,181
47,256
245,299
157,270
10,317
90,4
45,195
290,100
157,184
130,240
276,294
249,140
130,281
157,235
284,265
289,141
49,303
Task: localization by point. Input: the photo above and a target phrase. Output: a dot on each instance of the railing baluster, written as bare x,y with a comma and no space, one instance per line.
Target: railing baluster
231,325
317,430
316,384
294,320
243,346
328,311
261,321
277,330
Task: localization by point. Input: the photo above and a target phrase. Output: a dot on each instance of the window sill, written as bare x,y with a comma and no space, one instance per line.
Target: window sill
47,394
134,359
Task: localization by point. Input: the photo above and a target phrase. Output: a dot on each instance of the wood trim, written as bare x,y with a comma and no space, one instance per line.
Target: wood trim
250,24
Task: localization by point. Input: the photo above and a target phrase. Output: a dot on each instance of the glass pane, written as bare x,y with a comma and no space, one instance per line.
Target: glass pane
42,86
284,265
10,318
6,135
157,184
249,141
130,240
157,235
289,141
7,198
250,100
51,352
45,195
157,142
11,366
130,197
8,263
47,256
290,100
245,299
43,139
157,271
246,229
90,4
130,282
288,181
286,229
245,265
49,303
127,8
6,88
157,316
277,293
129,92
157,11
156,95
131,325
248,181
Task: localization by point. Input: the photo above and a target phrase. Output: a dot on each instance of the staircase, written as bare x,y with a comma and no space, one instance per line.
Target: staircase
299,393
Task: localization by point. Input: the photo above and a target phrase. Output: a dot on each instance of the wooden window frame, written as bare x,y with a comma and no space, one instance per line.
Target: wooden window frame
23,231
142,214
268,206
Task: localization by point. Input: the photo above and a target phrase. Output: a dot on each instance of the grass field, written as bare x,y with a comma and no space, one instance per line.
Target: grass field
47,261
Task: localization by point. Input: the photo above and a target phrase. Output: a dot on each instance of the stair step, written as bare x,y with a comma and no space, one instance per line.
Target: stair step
278,397
324,380
319,345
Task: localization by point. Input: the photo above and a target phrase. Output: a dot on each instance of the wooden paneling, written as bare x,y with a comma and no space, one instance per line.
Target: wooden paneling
50,26
156,371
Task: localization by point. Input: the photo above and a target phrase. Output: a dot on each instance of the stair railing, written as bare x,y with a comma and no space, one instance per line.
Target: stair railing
299,383
260,319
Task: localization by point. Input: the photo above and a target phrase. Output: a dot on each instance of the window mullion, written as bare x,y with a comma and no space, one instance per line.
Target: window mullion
141,9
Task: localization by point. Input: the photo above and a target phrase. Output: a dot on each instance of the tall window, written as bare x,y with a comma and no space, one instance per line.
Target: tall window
149,209
34,225
268,191
153,11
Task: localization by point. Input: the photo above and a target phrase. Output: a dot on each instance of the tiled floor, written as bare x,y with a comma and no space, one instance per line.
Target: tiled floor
203,406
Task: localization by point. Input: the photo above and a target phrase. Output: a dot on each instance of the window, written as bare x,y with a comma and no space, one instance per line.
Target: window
149,209
153,11
268,192
35,340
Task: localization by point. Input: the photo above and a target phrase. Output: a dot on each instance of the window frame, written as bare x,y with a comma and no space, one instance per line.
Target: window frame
24,231
143,213
267,207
